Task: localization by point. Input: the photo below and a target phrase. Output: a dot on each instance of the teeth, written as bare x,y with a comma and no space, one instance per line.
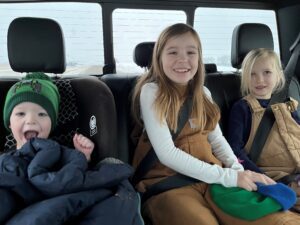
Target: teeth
181,70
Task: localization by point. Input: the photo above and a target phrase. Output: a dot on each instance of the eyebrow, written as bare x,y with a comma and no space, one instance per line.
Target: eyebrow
188,47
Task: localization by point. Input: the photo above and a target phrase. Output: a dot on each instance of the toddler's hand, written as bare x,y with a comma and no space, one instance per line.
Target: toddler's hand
83,144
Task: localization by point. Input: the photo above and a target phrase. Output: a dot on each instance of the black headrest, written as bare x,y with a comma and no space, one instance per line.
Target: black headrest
246,37
142,55
36,45
210,68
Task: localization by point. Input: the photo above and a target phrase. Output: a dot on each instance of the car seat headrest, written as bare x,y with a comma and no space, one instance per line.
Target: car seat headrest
36,45
142,55
248,36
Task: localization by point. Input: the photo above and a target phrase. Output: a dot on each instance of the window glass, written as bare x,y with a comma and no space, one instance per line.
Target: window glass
82,27
215,27
133,26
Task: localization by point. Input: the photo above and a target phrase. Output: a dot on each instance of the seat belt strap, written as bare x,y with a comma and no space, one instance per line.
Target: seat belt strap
151,158
166,184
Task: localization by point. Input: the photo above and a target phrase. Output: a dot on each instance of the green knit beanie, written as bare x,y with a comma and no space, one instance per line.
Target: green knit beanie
243,204
37,88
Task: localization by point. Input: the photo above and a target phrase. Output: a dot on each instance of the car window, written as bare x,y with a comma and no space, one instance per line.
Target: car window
132,26
215,27
82,28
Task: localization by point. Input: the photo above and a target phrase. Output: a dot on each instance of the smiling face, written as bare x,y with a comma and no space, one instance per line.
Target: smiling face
263,78
180,58
29,120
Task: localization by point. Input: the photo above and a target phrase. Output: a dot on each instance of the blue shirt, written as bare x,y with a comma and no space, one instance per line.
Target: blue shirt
239,128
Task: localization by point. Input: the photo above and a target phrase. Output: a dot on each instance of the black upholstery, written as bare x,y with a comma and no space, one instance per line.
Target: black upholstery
87,104
142,54
225,90
121,86
35,44
210,68
5,84
87,107
248,36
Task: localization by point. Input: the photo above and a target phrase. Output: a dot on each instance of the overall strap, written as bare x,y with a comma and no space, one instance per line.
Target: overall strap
151,158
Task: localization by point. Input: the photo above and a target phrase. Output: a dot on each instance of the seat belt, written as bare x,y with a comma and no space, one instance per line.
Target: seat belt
151,158
171,182
268,118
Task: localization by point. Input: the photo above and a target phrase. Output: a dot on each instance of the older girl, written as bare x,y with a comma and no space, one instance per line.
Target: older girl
200,150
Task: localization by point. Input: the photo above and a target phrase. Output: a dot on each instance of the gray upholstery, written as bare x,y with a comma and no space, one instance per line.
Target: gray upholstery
293,69
293,65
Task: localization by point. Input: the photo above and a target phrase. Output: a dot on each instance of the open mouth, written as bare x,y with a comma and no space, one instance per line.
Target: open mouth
30,134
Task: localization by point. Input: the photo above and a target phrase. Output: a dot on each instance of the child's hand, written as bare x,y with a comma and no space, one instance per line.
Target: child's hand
247,179
83,144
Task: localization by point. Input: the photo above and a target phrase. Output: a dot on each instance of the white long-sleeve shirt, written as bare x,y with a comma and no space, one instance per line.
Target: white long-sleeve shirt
180,161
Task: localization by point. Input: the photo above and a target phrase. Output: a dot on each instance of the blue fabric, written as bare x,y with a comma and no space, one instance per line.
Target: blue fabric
52,185
239,127
279,192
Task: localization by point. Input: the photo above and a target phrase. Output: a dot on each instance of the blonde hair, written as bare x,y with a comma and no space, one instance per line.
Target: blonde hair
248,63
168,101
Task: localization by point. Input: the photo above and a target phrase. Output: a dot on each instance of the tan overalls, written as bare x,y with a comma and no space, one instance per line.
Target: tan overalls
281,153
191,205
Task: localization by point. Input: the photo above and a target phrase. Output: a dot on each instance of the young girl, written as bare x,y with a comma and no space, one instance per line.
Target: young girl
200,150
262,75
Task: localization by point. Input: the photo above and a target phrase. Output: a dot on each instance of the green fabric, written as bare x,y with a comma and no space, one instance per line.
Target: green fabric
241,203
37,88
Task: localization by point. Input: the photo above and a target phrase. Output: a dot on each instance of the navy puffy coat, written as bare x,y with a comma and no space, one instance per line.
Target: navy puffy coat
44,183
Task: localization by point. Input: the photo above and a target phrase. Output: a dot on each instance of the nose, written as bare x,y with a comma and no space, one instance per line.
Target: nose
259,78
30,118
182,56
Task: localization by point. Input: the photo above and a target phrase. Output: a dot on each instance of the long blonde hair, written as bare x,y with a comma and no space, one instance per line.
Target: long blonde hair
168,101
248,63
